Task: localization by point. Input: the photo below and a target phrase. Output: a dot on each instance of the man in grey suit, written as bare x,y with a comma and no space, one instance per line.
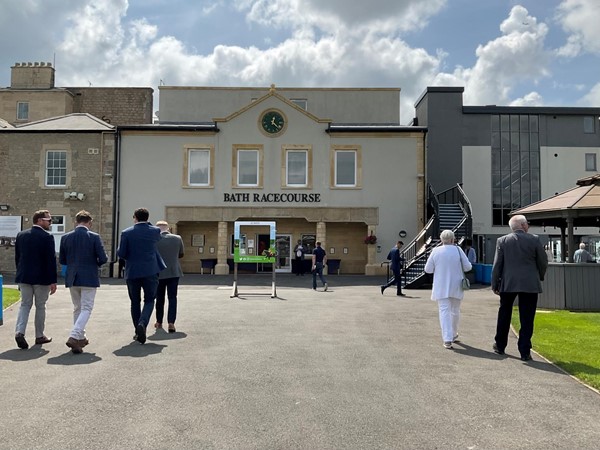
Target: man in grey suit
82,251
519,267
170,248
35,258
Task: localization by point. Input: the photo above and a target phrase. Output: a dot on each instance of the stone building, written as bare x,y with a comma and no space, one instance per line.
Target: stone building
64,164
33,96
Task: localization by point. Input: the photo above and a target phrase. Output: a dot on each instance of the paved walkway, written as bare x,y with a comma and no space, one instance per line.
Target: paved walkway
342,369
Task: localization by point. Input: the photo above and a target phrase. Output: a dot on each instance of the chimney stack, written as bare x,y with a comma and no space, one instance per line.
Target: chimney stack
32,76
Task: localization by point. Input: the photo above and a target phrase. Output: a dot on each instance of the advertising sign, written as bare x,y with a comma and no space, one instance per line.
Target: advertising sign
243,248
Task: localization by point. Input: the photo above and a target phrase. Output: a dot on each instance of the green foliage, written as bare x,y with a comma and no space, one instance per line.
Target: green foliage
9,296
571,340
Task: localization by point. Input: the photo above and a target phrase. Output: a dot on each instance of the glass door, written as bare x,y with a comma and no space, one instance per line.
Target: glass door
283,259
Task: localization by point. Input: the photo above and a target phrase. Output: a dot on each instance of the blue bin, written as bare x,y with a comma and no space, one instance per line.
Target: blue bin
487,274
63,271
478,273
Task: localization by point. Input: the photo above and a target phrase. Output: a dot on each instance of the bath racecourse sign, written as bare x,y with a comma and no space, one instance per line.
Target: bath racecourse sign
246,197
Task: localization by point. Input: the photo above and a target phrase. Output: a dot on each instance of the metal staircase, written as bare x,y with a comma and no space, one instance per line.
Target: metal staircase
449,210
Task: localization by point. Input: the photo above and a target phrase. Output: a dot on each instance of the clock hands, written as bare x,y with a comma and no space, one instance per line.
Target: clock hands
275,124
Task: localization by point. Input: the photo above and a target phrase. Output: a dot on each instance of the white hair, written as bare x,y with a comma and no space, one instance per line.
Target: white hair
582,245
516,222
447,236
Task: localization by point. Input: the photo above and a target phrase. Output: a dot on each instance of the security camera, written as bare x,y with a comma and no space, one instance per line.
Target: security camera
81,196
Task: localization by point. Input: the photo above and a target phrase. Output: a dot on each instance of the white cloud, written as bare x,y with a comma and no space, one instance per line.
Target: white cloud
592,98
531,99
516,56
581,20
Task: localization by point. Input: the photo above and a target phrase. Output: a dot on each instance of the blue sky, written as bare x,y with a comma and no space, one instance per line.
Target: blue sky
504,52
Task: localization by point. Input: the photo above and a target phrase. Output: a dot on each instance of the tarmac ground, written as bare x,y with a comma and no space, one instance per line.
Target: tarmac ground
349,368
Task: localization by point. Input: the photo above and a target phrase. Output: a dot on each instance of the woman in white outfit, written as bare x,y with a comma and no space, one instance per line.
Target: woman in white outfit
448,263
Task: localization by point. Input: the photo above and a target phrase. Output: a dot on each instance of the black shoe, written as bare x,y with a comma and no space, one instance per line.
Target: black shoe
21,342
401,295
526,357
382,289
497,349
141,333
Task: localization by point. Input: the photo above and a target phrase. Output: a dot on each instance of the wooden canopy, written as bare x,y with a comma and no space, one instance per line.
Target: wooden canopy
576,207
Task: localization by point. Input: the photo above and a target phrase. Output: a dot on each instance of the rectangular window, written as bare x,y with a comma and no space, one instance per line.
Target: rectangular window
56,168
247,168
296,173
199,167
588,124
301,102
22,111
590,162
345,168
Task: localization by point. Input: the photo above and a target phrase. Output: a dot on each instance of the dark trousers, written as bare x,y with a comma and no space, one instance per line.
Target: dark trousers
168,285
135,286
298,266
397,280
527,306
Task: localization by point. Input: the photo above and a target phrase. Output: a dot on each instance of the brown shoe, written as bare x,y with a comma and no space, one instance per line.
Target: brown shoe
74,345
42,340
171,328
158,325
83,342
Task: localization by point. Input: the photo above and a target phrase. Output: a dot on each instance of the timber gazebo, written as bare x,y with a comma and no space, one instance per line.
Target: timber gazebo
569,286
577,207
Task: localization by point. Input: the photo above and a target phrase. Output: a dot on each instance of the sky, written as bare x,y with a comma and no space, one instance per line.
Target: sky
503,52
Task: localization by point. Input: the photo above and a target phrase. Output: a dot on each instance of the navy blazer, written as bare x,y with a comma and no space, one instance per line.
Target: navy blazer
138,249
35,257
396,258
82,251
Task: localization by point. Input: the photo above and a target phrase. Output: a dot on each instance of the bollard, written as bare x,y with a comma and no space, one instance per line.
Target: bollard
1,304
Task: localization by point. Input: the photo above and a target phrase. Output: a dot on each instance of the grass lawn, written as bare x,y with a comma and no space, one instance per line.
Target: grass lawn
571,340
9,296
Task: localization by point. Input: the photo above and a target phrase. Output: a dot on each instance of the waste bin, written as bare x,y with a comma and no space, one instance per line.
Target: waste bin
487,274
478,273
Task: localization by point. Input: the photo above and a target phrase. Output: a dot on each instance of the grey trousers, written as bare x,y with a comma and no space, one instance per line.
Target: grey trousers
30,293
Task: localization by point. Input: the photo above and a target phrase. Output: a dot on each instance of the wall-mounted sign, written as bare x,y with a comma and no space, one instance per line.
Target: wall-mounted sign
197,240
9,228
271,197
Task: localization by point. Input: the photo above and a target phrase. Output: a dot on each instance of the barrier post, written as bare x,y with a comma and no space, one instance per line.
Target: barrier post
1,303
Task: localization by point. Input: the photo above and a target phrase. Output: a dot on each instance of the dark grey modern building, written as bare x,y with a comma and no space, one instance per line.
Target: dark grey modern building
507,157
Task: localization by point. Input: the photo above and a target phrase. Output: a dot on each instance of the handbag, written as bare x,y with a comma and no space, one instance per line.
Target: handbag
465,284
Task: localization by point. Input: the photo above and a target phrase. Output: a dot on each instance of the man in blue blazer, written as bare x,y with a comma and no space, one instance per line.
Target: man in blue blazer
142,266
520,264
397,263
36,275
82,251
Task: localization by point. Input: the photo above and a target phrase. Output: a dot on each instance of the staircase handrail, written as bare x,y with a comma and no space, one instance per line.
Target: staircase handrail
411,250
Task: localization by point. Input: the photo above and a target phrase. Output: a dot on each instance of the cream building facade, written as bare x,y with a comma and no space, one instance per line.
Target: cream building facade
317,168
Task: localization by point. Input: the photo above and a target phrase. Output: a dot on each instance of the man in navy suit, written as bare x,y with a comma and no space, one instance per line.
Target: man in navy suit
397,262
82,251
36,275
142,266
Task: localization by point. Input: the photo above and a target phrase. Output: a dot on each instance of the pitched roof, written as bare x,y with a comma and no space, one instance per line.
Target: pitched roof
70,122
581,203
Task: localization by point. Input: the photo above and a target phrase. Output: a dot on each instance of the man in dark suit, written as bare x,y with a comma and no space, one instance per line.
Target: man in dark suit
519,267
82,251
142,266
36,275
170,248
396,265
